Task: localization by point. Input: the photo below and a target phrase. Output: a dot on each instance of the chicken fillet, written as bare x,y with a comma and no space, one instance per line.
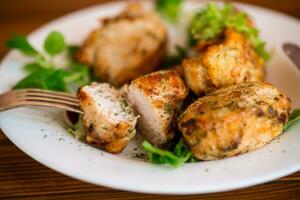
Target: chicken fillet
234,120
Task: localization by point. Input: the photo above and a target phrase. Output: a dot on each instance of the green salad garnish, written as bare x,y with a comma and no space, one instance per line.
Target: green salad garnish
21,43
77,130
42,72
210,22
293,119
174,59
170,9
54,43
175,158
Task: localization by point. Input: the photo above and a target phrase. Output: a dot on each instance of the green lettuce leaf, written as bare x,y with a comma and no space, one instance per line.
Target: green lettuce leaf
54,43
293,119
174,59
21,43
42,73
77,130
77,76
31,67
170,9
176,158
209,23
48,79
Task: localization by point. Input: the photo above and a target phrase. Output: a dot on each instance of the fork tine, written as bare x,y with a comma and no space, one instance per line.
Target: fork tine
33,90
46,99
37,97
37,93
46,93
70,99
46,104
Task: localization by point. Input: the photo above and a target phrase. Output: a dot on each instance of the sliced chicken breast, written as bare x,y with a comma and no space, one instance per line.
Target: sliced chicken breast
109,122
126,46
156,98
234,120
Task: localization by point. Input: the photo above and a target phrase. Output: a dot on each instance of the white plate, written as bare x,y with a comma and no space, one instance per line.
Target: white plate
41,133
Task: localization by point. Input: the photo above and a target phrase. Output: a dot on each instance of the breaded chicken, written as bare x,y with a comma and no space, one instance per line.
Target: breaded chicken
196,76
234,120
126,46
223,63
233,61
108,120
156,98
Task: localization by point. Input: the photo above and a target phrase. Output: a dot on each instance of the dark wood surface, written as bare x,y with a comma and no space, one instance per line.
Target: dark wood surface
23,178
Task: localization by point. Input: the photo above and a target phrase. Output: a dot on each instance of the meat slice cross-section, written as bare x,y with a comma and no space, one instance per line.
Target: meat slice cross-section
157,97
108,120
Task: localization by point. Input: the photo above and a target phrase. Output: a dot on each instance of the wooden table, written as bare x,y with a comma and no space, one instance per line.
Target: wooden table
23,178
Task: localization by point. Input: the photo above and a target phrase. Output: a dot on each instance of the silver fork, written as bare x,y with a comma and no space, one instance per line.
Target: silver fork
38,97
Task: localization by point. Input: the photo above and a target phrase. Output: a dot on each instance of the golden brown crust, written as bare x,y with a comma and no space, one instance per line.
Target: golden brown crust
167,84
234,61
222,63
234,120
114,140
196,76
126,46
147,65
132,11
100,129
85,54
163,93
203,44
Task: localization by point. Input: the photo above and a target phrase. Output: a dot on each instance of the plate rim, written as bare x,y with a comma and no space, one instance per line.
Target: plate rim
125,187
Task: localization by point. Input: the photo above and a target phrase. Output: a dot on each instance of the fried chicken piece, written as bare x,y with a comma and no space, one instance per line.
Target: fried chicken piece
234,120
196,76
126,46
228,62
233,61
157,97
108,120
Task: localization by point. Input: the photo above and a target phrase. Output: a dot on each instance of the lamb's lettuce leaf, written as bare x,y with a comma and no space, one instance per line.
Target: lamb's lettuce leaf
175,158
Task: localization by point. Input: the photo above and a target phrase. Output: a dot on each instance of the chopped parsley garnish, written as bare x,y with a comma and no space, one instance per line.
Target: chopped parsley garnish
210,22
125,103
168,108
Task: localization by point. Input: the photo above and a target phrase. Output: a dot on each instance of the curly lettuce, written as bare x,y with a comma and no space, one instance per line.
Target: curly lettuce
209,23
